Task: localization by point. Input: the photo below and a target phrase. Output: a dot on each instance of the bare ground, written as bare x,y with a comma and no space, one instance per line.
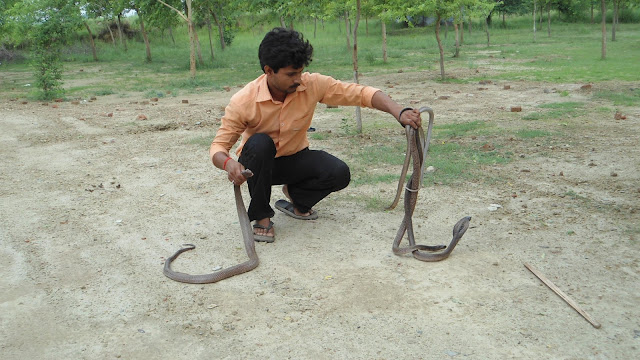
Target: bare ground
94,199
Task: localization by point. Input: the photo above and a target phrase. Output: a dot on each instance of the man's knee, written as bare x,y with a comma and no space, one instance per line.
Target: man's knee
341,176
260,144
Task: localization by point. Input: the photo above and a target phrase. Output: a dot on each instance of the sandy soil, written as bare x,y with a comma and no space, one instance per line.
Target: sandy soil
94,199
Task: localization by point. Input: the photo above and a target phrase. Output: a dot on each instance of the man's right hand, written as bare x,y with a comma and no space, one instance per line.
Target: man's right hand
234,172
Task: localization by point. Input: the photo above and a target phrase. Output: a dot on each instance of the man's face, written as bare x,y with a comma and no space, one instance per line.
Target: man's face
285,81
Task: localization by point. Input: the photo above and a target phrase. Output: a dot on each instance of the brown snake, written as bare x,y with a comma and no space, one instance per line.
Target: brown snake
249,245
417,147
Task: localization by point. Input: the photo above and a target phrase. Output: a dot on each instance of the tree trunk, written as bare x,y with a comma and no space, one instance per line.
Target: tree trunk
366,22
592,18
603,10
315,26
461,26
282,23
384,41
113,38
440,47
220,25
540,14
347,29
93,43
457,53
192,42
144,35
549,19
355,64
197,42
486,29
121,34
614,22
173,40
446,29
210,37
534,20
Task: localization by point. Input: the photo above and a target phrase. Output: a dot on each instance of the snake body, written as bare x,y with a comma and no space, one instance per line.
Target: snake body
417,147
249,245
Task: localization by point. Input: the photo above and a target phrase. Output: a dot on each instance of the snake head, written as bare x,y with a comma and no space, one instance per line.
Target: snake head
247,173
461,227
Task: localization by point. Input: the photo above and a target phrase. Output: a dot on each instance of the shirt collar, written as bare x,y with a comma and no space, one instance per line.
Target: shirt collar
263,89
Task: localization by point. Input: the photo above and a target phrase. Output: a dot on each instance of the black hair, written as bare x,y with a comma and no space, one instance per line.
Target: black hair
283,47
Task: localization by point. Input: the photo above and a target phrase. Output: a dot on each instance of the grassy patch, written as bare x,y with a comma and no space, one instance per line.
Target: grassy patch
555,111
454,162
319,136
381,154
460,129
203,141
629,97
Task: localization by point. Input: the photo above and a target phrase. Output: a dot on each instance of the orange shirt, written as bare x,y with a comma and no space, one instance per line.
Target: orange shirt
253,110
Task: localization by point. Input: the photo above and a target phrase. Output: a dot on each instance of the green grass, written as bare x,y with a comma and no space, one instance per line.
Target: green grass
628,97
460,129
454,161
531,134
556,111
571,54
201,141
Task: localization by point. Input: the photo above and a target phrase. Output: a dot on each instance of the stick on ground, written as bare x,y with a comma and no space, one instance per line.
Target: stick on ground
564,296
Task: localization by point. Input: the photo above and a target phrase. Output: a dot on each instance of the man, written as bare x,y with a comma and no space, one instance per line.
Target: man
273,114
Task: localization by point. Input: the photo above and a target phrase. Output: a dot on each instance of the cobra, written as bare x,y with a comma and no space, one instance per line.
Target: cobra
417,148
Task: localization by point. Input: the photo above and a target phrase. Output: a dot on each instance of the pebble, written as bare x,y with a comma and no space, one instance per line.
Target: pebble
494,207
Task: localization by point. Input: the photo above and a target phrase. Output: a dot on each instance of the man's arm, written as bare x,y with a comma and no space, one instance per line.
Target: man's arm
383,102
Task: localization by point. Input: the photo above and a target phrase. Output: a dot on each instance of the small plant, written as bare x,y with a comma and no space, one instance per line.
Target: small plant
564,93
370,58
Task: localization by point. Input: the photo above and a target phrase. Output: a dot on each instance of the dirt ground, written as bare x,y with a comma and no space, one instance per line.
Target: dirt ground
94,198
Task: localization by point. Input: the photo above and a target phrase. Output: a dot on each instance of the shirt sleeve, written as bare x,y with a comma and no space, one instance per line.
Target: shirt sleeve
336,92
230,129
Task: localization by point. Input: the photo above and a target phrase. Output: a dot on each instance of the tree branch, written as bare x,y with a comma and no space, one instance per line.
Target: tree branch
174,9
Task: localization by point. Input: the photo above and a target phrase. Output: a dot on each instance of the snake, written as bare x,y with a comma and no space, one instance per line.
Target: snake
249,245
417,148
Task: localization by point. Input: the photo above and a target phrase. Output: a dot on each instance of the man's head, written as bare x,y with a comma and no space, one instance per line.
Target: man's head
282,47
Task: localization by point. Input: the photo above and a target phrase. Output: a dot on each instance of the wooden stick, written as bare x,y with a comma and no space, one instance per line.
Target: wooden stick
564,296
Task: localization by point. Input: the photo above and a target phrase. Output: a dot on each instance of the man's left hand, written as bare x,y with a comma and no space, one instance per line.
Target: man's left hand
411,118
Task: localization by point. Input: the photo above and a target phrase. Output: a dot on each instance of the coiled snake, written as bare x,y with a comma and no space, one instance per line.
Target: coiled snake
249,245
417,147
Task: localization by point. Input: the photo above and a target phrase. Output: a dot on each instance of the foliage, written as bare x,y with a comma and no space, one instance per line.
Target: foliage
48,25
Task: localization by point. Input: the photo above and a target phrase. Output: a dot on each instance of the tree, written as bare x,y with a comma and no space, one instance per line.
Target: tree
48,24
138,6
484,9
603,10
355,63
192,40
386,12
534,20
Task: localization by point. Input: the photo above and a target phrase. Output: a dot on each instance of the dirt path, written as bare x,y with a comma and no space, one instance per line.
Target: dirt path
94,199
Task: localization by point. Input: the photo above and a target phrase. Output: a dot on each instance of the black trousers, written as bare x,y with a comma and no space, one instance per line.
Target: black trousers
310,175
